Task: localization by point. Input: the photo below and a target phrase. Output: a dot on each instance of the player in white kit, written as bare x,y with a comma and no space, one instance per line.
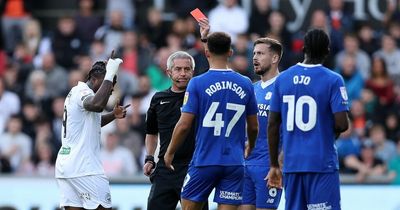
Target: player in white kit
79,172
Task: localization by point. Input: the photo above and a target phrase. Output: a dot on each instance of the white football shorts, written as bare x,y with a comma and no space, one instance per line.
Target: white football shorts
86,192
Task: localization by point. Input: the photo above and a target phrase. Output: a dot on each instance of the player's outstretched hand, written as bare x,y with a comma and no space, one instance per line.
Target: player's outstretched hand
274,178
112,67
168,161
204,27
148,168
120,111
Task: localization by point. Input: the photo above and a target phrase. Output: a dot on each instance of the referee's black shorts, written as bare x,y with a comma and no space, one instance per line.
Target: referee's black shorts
166,187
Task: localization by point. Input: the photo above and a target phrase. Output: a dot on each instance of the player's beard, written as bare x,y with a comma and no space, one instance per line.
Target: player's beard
263,70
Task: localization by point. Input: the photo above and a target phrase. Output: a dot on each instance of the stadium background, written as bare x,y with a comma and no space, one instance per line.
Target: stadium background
46,46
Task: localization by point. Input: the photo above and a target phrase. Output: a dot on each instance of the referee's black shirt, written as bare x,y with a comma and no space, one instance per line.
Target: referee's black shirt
162,116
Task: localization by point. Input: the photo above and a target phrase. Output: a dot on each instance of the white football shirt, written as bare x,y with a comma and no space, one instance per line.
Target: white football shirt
79,154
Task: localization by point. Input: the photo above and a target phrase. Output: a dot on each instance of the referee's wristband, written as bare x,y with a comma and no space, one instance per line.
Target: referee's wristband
150,158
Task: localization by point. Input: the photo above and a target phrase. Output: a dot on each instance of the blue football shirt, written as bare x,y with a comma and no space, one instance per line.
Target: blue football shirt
307,96
263,93
221,100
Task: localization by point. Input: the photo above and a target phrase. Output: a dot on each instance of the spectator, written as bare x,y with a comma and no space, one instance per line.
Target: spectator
57,119
366,164
358,117
156,72
368,41
9,104
338,18
15,145
88,22
97,51
15,14
391,54
125,7
74,77
56,82
66,44
352,78
136,58
130,139
154,28
384,148
111,33
392,126
44,160
258,21
382,86
351,47
394,31
117,160
30,113
230,18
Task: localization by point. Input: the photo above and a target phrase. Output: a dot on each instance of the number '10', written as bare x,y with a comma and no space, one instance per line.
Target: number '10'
295,112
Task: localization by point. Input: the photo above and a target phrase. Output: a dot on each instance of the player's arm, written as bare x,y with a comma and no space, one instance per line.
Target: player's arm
98,102
252,130
182,129
341,122
274,122
117,113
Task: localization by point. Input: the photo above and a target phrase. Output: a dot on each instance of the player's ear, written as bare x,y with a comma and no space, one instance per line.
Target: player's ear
207,53
230,53
275,59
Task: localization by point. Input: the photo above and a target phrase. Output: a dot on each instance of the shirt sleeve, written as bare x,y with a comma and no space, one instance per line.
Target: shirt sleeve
339,99
151,118
275,102
191,98
84,93
251,107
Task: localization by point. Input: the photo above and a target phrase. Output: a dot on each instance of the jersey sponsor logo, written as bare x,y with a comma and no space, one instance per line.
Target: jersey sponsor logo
65,151
230,195
270,200
164,102
85,196
268,96
319,206
343,92
186,98
263,110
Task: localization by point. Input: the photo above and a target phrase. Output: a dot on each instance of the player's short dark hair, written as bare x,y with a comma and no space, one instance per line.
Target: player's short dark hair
316,44
219,43
274,45
98,69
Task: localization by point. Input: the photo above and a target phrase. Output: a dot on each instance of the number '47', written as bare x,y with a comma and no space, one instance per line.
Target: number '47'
218,123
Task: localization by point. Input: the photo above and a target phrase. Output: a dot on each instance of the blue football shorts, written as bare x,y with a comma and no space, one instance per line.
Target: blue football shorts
255,190
227,181
312,191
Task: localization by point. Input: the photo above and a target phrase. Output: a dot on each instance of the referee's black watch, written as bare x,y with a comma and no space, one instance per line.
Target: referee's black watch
150,158
204,40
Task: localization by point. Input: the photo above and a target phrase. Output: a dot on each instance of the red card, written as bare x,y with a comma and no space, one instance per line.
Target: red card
197,14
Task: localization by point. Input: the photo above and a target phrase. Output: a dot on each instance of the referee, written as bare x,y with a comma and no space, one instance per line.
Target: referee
162,115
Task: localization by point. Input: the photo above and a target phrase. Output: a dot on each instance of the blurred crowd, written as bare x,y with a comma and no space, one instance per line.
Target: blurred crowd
38,68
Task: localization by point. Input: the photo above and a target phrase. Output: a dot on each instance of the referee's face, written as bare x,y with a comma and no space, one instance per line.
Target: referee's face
180,73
